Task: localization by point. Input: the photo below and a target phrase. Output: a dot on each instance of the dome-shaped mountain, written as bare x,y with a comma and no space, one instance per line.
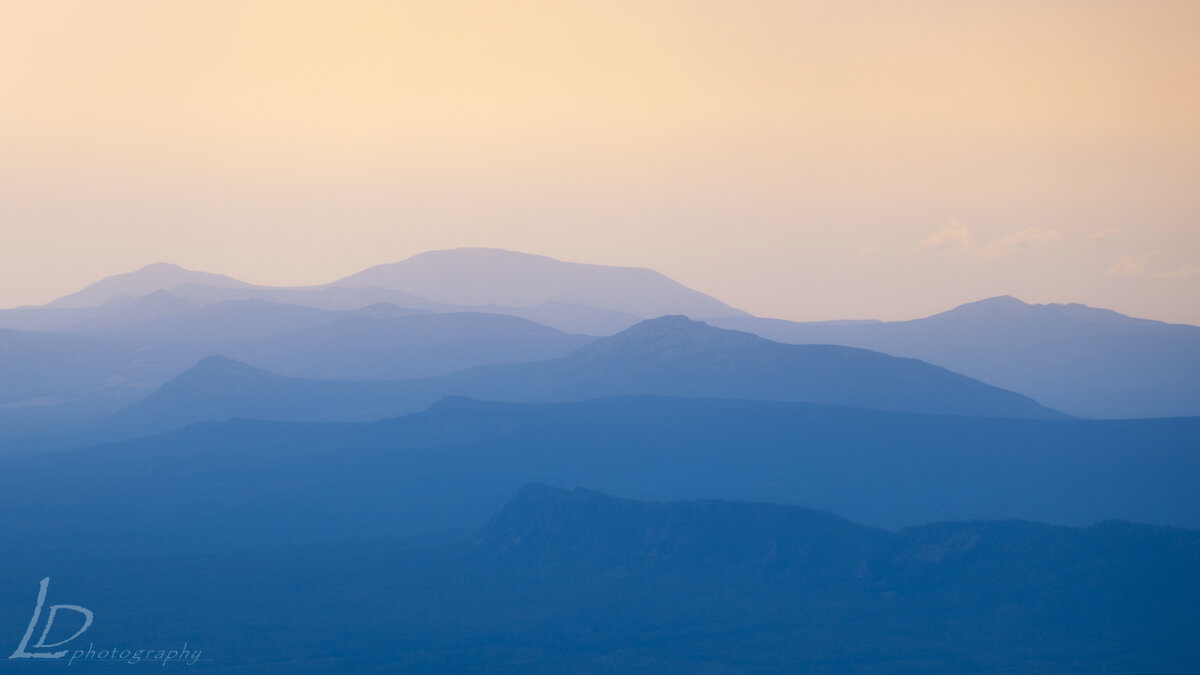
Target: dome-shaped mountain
488,276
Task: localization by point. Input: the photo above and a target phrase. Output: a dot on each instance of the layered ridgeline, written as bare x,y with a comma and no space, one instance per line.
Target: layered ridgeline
574,297
1081,360
577,581
57,379
453,465
147,280
112,343
377,342
43,369
669,356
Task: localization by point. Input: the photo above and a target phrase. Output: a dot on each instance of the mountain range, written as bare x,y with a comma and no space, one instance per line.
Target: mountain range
450,466
669,356
1079,360
565,295
108,369
481,461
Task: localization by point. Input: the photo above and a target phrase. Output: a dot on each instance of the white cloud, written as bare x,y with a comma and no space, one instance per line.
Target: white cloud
1131,265
1105,233
953,237
1018,241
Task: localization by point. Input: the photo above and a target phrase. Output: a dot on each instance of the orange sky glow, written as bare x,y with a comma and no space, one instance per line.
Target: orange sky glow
806,160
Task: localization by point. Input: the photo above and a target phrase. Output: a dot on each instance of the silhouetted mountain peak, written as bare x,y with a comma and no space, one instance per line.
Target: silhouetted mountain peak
999,302
479,254
161,296
672,335
455,404
539,497
999,307
670,324
1005,308
219,361
148,279
216,371
199,393
160,268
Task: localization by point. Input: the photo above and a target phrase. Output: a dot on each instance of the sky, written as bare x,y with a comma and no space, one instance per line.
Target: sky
802,160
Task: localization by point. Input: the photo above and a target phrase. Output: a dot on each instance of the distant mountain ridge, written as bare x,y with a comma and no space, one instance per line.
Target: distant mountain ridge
154,277
546,523
933,598
54,382
1081,360
669,356
219,388
453,464
484,276
551,524
1006,307
574,297
675,356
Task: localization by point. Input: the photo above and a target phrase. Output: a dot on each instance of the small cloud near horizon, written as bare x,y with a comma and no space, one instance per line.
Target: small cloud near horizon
953,237
1131,265
1019,241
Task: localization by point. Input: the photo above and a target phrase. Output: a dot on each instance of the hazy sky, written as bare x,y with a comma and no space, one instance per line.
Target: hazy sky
807,160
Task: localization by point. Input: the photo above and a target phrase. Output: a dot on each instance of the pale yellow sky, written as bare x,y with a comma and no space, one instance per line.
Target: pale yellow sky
807,160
